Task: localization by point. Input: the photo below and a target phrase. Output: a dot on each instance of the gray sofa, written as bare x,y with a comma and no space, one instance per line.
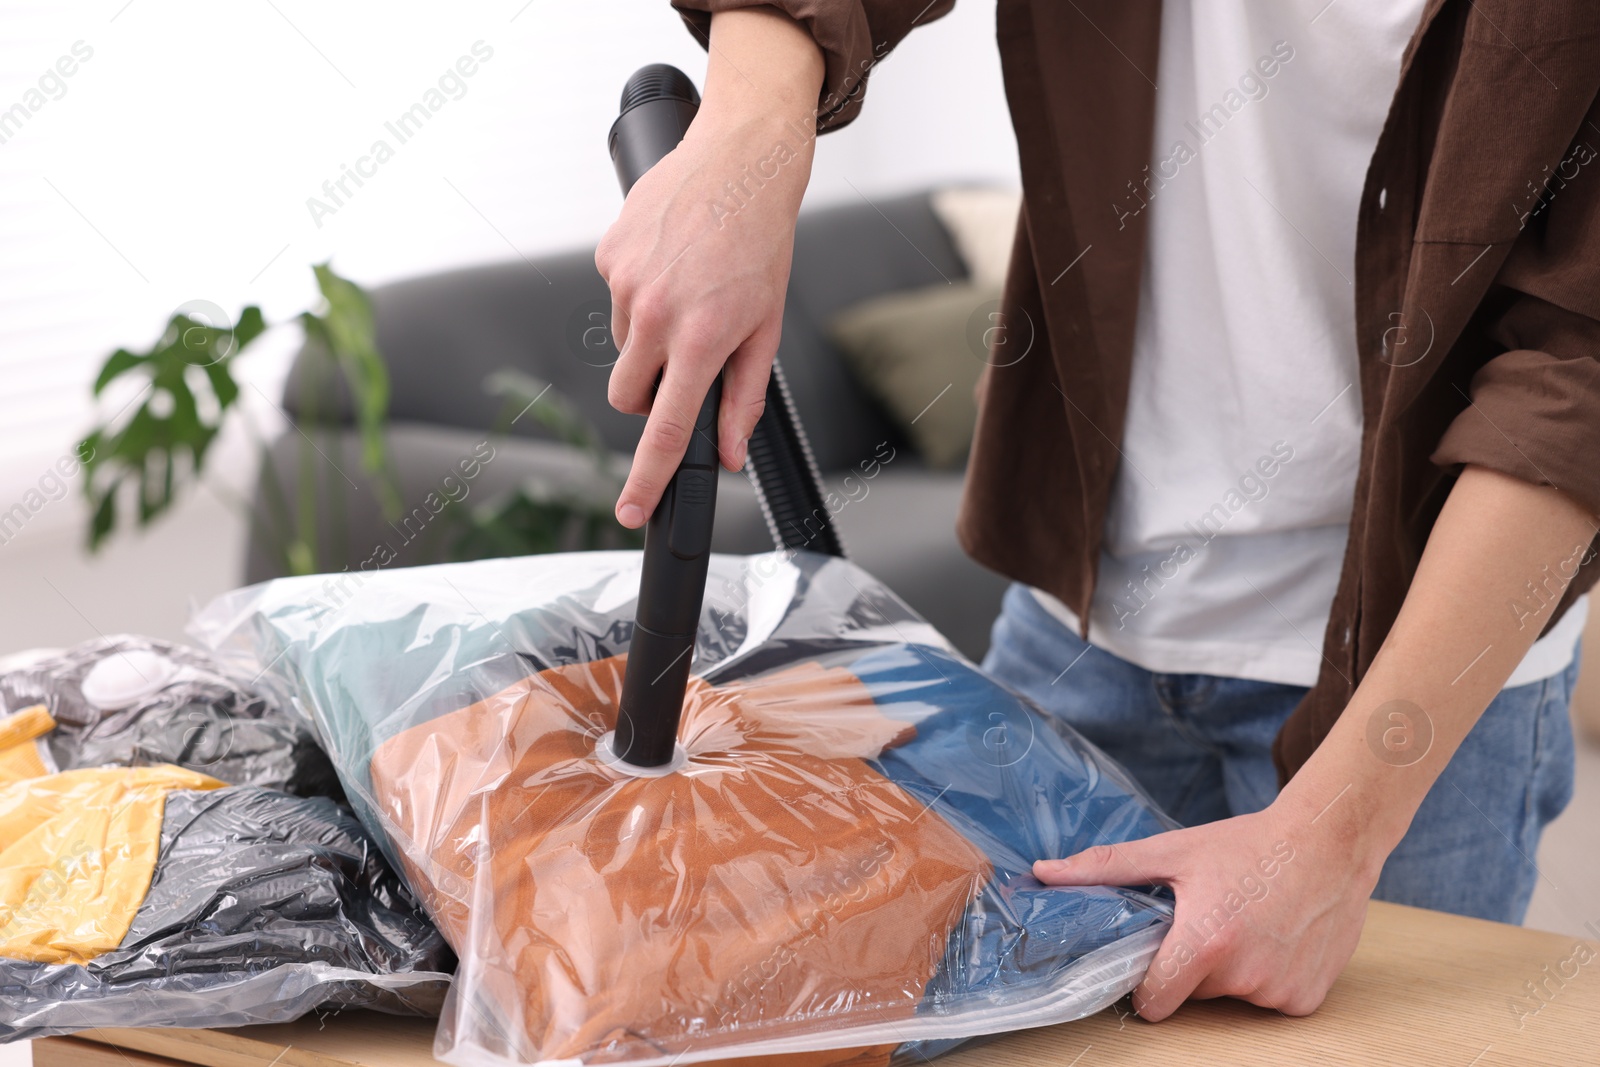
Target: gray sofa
443,335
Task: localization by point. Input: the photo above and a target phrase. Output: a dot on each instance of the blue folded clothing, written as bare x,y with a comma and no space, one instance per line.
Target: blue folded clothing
1020,787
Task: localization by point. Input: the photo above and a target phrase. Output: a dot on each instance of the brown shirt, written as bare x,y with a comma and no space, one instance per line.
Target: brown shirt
1477,277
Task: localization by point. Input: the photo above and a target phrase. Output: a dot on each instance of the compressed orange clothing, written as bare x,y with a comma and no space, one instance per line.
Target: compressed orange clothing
19,757
776,877
77,852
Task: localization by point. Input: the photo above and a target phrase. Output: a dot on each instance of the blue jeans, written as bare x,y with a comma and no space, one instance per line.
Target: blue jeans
1202,747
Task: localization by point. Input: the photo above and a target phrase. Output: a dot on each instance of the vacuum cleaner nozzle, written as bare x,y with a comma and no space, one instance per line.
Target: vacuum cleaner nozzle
658,103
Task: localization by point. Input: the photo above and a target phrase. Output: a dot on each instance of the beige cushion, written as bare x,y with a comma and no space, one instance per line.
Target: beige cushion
920,354
982,221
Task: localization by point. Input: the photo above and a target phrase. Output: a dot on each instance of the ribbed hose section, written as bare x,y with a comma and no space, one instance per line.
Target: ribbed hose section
658,81
786,479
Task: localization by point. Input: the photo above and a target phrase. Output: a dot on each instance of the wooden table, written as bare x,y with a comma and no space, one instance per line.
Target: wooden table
1424,988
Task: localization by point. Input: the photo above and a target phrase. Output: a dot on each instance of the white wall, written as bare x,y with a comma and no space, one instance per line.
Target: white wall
176,164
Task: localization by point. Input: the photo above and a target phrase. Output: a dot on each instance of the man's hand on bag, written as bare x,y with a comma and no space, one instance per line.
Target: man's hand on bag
1279,939
698,260
1269,907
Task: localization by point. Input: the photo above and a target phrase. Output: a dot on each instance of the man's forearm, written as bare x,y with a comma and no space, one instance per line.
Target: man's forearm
1496,562
762,59
762,68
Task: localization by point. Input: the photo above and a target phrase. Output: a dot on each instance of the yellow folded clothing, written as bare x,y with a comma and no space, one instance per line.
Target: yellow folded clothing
19,756
77,852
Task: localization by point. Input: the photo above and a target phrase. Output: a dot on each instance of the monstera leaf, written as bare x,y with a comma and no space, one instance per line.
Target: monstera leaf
158,441
188,391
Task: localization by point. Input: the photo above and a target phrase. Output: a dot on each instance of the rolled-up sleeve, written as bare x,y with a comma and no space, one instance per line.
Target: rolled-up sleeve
1535,408
854,36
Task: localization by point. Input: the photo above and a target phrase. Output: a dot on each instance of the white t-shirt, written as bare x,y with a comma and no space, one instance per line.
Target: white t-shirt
1228,521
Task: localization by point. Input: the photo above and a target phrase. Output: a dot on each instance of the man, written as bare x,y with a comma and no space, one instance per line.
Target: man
1300,462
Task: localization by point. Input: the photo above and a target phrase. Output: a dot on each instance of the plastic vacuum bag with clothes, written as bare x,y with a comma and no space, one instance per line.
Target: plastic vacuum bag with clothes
155,896
839,869
135,892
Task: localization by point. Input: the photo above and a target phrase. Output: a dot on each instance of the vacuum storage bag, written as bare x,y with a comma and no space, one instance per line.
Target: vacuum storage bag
838,868
134,892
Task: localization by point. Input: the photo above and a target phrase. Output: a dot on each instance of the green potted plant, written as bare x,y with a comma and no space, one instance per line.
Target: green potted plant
147,452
